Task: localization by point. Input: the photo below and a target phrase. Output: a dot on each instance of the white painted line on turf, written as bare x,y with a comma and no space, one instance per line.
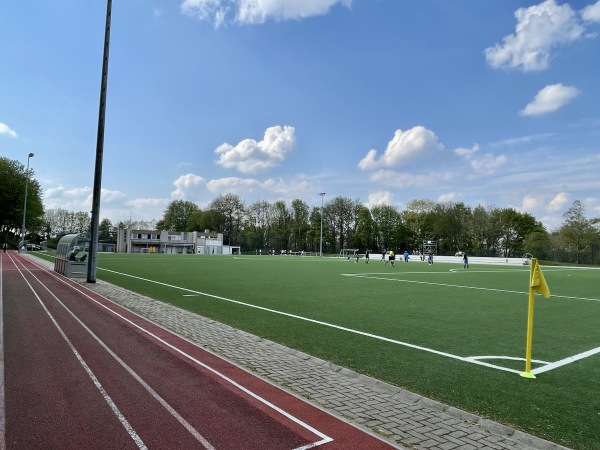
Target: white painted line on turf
564,362
318,322
432,283
324,438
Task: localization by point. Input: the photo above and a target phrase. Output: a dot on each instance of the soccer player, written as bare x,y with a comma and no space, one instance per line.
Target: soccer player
465,261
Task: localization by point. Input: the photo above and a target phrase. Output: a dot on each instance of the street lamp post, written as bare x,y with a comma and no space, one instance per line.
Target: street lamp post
23,247
322,194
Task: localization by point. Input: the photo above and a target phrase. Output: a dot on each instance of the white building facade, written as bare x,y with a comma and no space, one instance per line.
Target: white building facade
154,241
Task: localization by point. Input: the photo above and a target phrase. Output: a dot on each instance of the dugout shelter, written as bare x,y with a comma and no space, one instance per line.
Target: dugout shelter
71,255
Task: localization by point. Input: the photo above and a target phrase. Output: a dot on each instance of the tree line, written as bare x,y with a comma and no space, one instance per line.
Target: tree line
345,223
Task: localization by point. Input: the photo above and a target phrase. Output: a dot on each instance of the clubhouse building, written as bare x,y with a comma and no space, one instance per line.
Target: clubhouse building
193,242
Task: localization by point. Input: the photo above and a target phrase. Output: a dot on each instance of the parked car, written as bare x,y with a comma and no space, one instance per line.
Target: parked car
32,247
458,254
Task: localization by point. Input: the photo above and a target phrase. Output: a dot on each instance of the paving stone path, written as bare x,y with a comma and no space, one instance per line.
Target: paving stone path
403,419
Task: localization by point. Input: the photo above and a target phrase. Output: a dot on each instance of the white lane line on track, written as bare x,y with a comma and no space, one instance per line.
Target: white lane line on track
138,441
324,438
207,445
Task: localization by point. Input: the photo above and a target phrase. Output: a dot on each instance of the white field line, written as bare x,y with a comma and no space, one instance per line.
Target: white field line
546,365
318,322
564,362
471,360
124,422
324,438
432,283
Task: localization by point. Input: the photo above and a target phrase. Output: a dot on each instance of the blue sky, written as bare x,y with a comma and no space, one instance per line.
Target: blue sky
385,101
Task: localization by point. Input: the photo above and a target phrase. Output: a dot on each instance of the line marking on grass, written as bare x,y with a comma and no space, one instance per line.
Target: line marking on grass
460,286
469,359
565,361
330,325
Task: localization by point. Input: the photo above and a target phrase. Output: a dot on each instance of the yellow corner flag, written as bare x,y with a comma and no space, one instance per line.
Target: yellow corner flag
536,283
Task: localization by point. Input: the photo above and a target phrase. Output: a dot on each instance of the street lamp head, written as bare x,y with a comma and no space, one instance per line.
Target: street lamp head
30,155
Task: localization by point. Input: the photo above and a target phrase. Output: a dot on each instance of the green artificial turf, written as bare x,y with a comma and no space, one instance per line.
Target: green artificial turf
445,310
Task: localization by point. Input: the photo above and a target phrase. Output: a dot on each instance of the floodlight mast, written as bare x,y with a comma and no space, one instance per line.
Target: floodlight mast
25,205
322,194
93,250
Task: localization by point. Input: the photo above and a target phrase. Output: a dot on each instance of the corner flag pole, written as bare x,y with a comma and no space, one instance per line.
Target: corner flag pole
536,283
527,373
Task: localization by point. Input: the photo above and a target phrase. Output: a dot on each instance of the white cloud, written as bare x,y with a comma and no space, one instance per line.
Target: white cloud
550,99
522,140
532,203
189,186
488,164
250,156
257,11
380,198
559,201
467,152
5,129
158,12
73,199
449,197
201,191
392,178
539,30
591,13
405,147
108,196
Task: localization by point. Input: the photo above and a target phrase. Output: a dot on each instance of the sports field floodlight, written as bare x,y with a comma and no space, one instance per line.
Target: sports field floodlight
23,246
322,194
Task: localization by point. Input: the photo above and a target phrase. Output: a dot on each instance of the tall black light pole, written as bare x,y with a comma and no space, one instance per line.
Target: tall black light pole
322,194
93,250
23,246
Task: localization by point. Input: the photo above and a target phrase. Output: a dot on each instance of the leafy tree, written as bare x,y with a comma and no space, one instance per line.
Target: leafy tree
448,224
417,220
539,244
106,231
387,223
300,224
231,208
340,215
177,215
13,176
578,233
282,225
364,236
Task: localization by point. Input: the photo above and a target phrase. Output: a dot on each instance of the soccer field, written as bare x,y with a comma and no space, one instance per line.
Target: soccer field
456,335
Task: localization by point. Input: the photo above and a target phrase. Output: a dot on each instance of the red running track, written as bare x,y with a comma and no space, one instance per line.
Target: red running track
77,371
